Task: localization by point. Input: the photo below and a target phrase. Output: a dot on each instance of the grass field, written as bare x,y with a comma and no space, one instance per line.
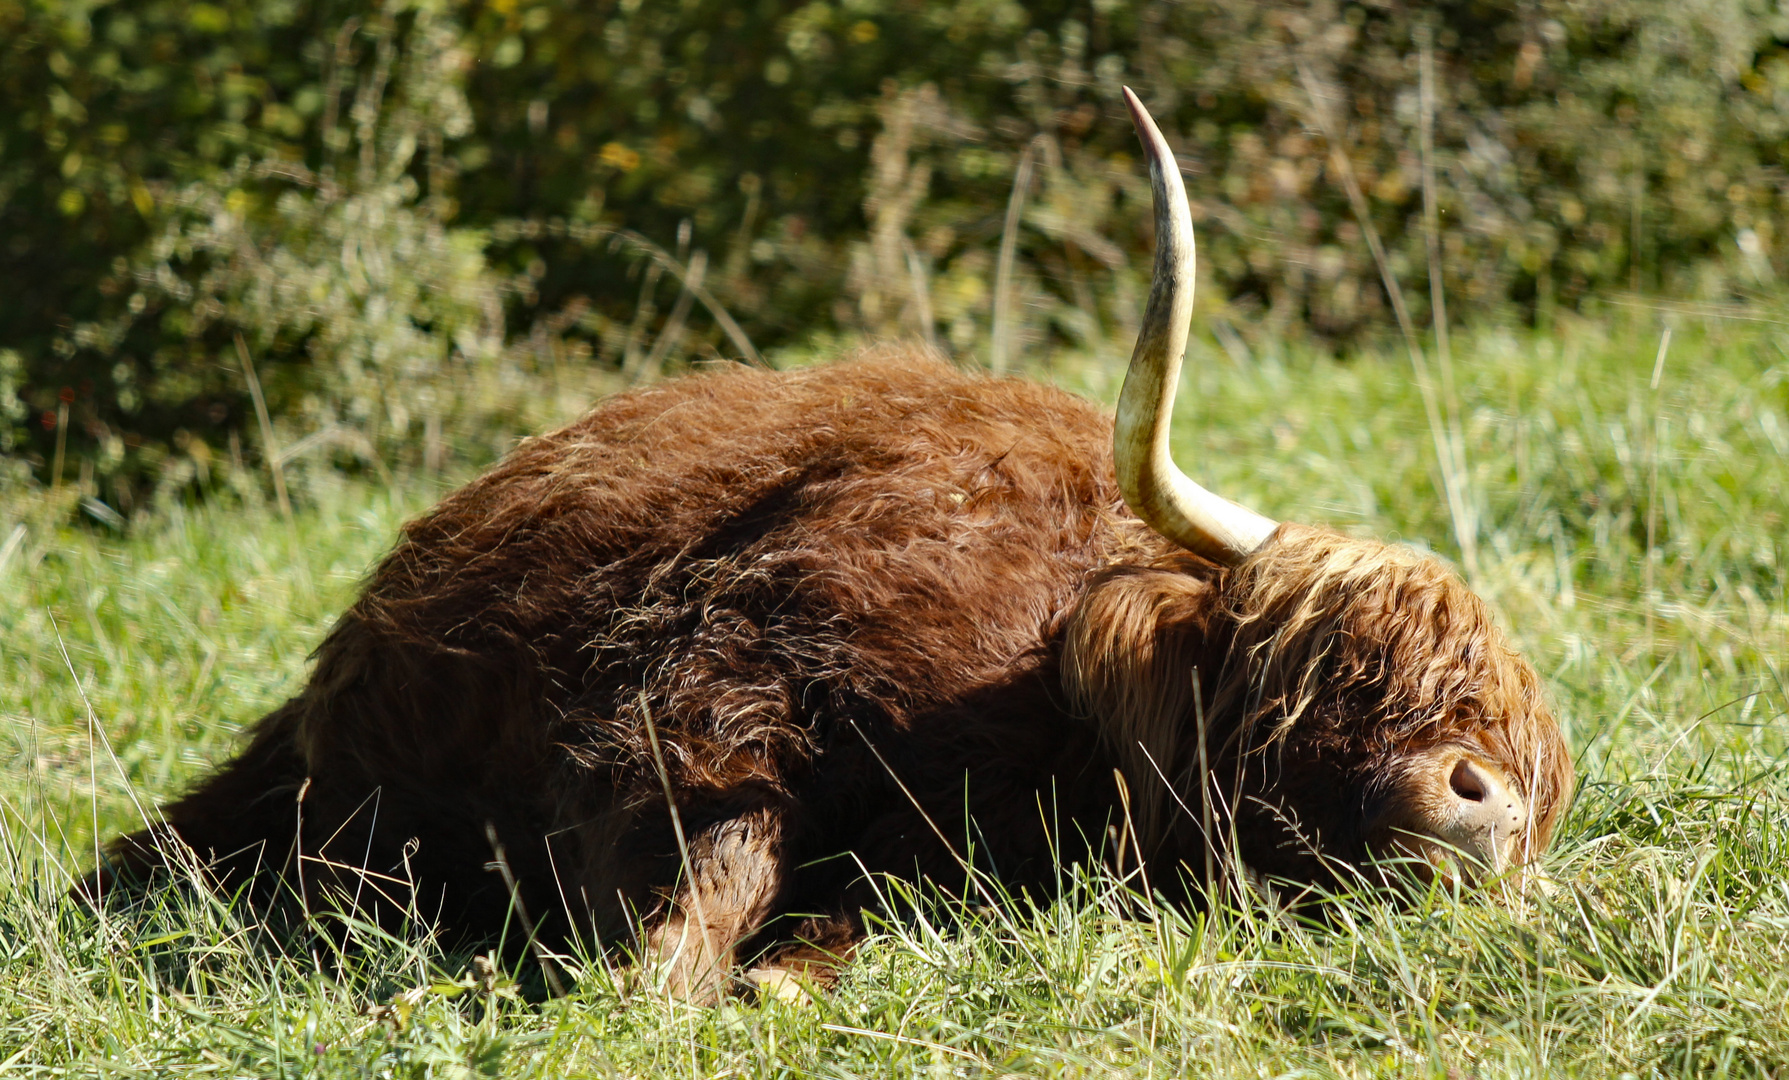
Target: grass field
1626,516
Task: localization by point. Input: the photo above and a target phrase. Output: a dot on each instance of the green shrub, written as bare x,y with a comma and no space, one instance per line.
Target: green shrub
341,291
836,169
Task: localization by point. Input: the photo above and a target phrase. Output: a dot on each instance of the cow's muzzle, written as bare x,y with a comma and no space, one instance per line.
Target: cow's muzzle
1455,818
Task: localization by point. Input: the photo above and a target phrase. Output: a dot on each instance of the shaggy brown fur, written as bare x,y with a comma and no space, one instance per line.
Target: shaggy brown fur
872,615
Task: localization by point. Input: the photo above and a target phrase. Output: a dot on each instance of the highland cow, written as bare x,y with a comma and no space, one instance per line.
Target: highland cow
706,662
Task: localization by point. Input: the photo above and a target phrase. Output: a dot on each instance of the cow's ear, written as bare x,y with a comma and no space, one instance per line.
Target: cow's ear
1131,660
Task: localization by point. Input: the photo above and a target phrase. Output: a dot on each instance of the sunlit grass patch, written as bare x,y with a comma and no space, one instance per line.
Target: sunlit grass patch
1629,533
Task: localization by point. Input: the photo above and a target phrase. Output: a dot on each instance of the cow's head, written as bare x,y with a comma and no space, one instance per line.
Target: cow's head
1292,696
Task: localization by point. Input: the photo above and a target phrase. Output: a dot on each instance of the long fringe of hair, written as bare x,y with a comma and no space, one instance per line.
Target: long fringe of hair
1251,657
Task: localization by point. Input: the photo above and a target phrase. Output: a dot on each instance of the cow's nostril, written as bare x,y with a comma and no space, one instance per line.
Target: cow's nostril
1468,782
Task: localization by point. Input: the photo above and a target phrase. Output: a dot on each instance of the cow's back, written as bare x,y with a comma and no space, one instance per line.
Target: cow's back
837,587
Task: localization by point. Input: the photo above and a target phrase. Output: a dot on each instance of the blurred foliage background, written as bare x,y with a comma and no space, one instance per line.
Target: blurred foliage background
320,233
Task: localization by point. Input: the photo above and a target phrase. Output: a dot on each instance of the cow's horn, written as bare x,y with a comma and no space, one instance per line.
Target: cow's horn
1163,496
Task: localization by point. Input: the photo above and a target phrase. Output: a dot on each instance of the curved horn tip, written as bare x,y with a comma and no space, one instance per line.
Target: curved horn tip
1153,140
1139,115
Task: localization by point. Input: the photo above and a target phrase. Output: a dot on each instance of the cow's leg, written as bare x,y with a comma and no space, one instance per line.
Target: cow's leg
807,957
737,870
